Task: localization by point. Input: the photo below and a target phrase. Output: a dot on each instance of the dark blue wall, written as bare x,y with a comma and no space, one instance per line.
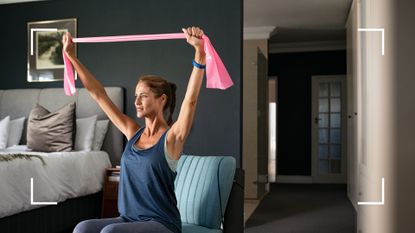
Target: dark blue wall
294,71
217,127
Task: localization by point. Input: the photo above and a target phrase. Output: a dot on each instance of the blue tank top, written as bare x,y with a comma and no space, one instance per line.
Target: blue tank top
146,188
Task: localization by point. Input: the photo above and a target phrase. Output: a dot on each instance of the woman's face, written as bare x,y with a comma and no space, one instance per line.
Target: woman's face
146,103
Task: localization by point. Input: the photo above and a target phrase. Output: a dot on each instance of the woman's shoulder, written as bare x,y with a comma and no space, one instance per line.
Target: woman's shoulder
137,133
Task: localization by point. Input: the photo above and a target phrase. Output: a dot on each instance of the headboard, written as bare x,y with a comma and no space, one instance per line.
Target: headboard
19,102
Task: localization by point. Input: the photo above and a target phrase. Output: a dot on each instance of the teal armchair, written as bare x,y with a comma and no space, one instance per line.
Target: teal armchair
203,185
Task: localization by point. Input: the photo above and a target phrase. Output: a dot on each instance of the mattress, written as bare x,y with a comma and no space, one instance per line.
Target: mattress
57,176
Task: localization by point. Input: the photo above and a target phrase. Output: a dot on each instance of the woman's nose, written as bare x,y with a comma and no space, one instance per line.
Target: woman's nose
137,101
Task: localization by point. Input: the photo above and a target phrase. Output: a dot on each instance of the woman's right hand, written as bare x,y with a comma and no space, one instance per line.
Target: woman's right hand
68,45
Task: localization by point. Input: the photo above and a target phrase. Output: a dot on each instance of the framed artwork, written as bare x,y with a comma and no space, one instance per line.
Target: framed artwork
44,53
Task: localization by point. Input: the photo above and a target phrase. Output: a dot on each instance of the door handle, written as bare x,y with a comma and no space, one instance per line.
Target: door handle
316,120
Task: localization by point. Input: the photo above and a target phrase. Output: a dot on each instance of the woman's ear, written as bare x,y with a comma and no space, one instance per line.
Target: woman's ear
164,99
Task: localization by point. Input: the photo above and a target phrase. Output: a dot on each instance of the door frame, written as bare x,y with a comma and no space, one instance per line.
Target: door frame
332,178
262,124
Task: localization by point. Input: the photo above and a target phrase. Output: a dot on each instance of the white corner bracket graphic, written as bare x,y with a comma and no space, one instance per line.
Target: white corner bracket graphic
376,30
38,30
374,202
36,202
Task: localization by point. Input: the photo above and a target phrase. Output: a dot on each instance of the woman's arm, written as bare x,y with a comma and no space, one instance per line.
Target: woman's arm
124,123
181,128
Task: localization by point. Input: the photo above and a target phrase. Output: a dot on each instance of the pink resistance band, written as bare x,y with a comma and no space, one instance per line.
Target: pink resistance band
216,73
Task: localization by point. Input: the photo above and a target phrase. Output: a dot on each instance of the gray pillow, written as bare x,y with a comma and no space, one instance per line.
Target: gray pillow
51,132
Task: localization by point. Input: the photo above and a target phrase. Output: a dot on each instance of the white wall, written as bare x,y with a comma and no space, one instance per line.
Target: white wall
383,131
377,158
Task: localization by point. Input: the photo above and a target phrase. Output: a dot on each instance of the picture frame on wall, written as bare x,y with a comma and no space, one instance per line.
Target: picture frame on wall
44,53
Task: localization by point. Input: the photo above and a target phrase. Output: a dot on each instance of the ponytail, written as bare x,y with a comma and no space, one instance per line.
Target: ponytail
172,102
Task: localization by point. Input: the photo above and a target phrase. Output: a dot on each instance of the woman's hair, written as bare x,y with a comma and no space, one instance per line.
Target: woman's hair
160,86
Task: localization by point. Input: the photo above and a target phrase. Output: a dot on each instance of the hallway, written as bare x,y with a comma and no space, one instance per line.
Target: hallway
304,208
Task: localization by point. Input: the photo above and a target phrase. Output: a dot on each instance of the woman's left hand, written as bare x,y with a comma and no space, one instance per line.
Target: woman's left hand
68,46
194,37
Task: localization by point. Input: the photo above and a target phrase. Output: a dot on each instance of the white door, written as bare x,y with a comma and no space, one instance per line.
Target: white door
329,129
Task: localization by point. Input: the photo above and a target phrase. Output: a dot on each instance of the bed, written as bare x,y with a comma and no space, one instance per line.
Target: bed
72,179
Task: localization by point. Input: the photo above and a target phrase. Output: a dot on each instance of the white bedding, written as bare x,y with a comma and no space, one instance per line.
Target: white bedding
65,175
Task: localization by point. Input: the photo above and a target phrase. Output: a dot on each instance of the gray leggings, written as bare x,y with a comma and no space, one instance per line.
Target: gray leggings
118,225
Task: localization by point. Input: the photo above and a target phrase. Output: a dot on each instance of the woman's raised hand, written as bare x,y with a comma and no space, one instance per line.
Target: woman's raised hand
194,37
68,45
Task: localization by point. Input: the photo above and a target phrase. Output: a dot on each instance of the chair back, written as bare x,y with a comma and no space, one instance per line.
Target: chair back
202,187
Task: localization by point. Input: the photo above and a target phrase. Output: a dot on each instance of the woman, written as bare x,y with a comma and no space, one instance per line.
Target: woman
147,202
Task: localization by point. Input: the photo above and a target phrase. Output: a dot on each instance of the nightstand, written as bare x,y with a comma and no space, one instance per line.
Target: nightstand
110,194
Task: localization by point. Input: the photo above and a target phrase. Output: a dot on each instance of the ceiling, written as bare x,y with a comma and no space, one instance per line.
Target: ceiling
294,21
298,20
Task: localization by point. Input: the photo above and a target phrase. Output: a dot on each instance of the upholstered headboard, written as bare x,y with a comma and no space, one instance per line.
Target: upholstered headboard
19,102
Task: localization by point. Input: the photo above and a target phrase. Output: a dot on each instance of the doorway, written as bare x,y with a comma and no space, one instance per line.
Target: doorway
329,129
272,131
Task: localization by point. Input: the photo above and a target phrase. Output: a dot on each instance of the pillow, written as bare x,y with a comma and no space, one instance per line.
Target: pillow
85,130
4,131
101,128
51,132
16,129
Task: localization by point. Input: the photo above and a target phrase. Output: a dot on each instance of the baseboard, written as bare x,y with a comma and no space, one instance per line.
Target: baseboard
295,179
